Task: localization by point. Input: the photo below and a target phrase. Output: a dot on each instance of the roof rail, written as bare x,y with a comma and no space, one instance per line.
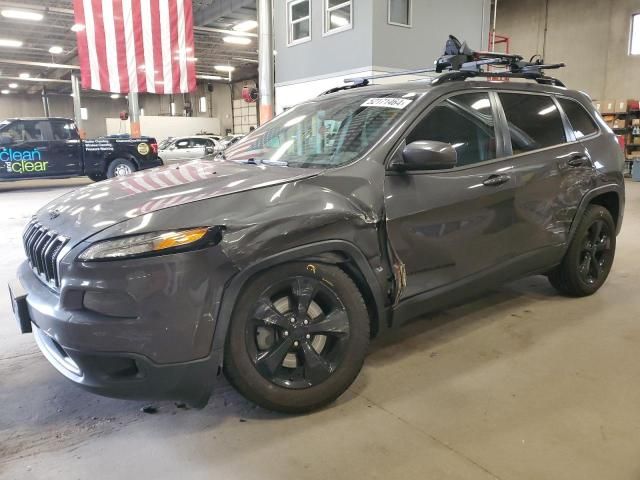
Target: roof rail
460,62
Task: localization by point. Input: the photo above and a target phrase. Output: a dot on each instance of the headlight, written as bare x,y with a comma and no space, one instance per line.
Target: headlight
156,243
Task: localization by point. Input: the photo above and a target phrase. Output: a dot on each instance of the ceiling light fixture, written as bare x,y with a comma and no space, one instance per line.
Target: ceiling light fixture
209,77
115,96
24,75
13,85
224,68
237,40
78,27
55,50
6,42
245,26
5,92
22,15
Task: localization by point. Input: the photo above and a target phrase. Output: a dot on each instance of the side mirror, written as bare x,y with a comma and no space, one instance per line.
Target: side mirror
426,155
209,150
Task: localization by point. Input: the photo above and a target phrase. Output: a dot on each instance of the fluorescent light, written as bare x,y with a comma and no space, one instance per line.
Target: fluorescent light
245,26
548,110
203,104
4,92
224,68
481,104
24,75
339,21
78,27
13,85
55,50
22,15
209,77
6,42
115,96
237,40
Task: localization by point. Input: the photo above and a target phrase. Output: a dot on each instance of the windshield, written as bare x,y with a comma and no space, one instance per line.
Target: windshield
165,143
325,133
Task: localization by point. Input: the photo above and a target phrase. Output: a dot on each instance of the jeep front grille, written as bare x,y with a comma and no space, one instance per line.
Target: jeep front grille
42,247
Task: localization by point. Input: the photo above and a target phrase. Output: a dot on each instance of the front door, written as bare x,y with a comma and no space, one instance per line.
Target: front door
64,149
450,225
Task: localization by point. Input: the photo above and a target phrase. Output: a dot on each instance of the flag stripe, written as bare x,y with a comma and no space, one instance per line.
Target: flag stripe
101,46
157,46
175,59
122,48
165,33
83,49
147,40
129,41
110,40
139,47
190,76
94,66
182,46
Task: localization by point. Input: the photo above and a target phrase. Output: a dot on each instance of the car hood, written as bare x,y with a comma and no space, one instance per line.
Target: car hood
88,210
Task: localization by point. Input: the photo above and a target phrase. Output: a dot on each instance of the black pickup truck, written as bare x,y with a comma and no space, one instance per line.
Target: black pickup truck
52,148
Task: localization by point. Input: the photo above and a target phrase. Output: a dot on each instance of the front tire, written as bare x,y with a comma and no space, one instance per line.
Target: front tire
297,338
588,261
120,167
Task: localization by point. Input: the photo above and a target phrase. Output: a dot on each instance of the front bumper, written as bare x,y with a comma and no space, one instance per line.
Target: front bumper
132,328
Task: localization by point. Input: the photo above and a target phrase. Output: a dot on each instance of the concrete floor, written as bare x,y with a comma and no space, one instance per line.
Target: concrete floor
524,384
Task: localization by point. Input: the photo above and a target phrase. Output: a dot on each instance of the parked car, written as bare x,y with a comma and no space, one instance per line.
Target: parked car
278,264
231,139
52,148
188,148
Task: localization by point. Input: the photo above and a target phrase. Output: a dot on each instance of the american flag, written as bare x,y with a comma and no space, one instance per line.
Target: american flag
136,45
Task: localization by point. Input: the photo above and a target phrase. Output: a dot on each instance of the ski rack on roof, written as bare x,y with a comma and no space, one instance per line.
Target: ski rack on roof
459,62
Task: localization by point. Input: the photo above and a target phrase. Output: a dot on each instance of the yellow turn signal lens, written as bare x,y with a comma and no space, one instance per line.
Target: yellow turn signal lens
178,239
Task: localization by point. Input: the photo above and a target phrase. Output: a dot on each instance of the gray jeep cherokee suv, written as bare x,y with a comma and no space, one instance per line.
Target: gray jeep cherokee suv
341,218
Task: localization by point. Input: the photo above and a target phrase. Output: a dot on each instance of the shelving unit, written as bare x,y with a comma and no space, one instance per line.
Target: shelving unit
622,124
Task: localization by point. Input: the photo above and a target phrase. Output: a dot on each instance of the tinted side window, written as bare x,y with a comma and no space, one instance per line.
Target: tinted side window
198,142
534,121
182,144
581,122
464,121
14,133
63,130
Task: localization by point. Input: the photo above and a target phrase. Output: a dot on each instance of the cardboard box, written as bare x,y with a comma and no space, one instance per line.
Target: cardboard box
633,104
636,140
608,106
598,106
635,122
619,123
621,106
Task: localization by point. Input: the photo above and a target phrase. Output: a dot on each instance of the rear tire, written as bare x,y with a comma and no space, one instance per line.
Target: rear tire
587,263
298,337
120,167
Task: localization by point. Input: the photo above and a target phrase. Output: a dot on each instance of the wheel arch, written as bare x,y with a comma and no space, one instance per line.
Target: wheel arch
335,252
610,197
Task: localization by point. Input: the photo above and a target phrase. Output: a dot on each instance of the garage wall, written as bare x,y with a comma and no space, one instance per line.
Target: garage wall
100,108
591,37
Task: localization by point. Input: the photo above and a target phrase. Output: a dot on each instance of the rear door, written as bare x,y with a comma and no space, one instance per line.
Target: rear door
65,148
199,146
543,155
451,225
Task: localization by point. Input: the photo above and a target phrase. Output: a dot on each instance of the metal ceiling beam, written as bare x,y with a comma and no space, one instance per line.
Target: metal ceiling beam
35,79
39,64
206,14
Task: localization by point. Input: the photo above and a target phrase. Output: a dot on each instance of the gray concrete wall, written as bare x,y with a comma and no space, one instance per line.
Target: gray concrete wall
323,55
99,108
591,37
433,21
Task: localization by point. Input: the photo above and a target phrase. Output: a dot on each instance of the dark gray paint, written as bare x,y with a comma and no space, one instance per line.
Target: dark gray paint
414,241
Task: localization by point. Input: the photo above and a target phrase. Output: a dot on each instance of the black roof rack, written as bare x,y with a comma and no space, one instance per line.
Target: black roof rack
459,62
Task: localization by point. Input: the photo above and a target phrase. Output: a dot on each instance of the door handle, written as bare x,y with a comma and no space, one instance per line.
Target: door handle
495,180
579,161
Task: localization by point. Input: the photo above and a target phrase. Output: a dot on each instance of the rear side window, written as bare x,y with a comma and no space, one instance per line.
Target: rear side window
464,121
581,122
534,121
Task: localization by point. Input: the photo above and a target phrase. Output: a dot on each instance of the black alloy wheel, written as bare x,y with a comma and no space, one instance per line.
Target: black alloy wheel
297,338
589,258
298,333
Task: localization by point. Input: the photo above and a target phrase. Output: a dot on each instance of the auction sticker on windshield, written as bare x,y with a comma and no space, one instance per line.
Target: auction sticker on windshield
387,102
